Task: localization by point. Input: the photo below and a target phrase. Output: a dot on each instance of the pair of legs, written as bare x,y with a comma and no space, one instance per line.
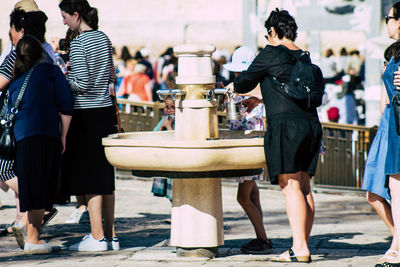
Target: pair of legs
383,209
299,208
248,197
99,205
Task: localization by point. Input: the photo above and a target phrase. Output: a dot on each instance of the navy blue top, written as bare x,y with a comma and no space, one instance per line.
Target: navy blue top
46,95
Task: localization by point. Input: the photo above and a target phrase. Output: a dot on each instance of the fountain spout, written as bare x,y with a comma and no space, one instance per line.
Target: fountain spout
171,92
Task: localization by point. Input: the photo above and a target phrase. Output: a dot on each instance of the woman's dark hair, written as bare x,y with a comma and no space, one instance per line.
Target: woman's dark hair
343,51
329,53
138,56
168,52
33,23
85,11
29,51
125,54
69,36
283,23
392,51
396,10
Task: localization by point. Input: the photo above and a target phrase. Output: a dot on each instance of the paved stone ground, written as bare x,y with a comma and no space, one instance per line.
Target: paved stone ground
346,232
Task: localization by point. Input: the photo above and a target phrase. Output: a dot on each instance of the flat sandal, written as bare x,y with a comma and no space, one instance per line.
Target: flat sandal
292,258
390,254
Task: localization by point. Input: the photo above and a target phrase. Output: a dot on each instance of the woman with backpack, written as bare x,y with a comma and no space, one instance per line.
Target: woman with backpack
293,139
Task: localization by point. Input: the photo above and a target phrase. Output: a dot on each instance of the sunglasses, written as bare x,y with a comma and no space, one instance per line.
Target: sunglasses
268,33
170,107
387,18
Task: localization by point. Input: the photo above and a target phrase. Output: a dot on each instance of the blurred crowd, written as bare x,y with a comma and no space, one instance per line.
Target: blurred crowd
344,75
139,77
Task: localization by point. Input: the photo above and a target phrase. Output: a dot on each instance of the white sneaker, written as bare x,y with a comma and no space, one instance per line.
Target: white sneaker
88,243
74,217
113,243
19,232
40,248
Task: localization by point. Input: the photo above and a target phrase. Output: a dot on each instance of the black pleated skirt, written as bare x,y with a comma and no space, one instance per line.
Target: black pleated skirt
37,162
85,169
292,143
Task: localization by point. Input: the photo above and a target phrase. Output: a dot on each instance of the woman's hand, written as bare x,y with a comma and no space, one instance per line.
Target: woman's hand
396,81
230,87
250,103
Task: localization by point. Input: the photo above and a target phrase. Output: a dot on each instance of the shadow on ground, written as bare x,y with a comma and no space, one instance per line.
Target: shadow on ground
328,246
144,231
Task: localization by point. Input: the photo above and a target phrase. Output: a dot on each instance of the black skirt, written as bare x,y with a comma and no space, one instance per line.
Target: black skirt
37,162
292,143
85,167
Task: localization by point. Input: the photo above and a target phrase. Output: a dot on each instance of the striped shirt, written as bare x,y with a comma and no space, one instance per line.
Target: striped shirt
6,68
92,70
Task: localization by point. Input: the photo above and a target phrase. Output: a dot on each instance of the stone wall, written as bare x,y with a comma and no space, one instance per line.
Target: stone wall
155,23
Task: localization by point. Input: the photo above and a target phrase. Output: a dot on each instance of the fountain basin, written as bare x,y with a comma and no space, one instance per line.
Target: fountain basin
153,151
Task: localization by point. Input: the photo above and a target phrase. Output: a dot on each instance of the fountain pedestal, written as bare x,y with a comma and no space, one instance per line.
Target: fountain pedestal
196,217
193,155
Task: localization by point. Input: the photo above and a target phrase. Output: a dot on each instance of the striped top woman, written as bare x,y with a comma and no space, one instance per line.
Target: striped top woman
92,70
86,170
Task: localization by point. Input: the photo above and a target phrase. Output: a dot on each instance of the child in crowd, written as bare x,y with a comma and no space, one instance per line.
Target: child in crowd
162,187
252,119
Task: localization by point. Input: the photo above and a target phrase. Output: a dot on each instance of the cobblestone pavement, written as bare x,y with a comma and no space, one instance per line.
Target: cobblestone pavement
346,232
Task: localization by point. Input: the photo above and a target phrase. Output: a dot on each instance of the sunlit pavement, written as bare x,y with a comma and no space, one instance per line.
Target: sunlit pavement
346,232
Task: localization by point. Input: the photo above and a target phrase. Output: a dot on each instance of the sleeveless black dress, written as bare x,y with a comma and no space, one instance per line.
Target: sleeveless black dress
293,138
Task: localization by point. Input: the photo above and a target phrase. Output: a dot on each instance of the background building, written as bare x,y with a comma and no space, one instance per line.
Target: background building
158,24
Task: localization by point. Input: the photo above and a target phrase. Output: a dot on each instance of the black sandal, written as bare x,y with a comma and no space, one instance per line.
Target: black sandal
387,264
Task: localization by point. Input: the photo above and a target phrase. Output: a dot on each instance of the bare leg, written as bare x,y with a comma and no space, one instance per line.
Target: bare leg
255,198
297,209
35,218
394,185
13,184
95,204
306,189
108,211
252,209
383,209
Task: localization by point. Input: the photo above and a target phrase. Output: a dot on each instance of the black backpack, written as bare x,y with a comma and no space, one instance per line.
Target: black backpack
306,85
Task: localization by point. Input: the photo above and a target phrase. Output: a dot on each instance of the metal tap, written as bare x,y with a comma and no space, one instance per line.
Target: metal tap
210,94
171,92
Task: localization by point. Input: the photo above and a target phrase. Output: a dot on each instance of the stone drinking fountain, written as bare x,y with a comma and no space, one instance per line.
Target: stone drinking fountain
196,155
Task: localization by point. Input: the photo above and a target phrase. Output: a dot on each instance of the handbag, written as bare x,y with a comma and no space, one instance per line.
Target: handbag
7,138
396,110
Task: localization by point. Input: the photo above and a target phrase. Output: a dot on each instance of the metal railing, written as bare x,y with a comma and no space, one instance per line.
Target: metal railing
346,150
342,164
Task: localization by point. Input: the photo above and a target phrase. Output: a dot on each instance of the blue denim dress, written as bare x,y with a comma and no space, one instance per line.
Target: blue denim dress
384,154
374,174
393,152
